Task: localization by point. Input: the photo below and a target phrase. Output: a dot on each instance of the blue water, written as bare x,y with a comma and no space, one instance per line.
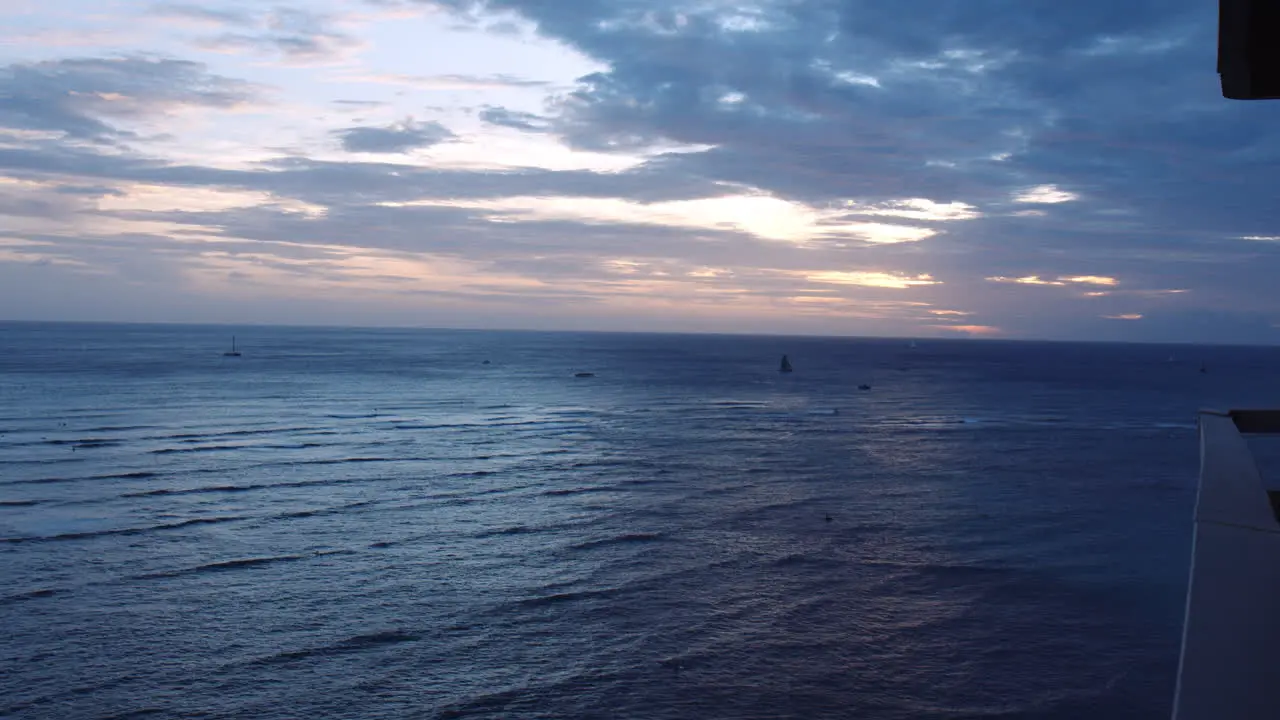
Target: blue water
376,524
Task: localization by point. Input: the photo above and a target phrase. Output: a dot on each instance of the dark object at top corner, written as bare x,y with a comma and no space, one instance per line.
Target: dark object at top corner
1249,49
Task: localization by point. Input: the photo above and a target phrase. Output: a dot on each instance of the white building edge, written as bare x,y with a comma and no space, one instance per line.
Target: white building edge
1230,664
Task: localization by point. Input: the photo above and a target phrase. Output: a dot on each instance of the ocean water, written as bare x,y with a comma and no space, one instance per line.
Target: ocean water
378,524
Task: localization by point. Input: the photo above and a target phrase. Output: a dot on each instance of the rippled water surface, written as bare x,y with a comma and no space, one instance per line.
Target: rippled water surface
377,523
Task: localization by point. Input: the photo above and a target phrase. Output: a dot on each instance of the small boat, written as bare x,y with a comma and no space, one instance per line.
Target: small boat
584,374
864,387
786,365
1203,369
232,352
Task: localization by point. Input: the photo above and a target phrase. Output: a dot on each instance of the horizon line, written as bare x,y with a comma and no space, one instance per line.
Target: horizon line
800,336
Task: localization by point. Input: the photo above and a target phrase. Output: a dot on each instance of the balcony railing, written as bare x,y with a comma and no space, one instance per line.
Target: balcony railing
1230,666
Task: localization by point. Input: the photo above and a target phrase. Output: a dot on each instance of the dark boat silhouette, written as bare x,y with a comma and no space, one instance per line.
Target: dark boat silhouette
584,374
786,365
232,352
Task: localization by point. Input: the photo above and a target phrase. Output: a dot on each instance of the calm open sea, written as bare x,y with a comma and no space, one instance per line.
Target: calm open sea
377,524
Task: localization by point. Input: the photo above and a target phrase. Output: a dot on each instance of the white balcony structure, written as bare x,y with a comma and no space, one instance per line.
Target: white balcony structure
1230,666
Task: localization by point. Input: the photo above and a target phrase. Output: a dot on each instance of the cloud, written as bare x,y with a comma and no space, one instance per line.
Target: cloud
498,81
918,209
516,120
985,103
759,215
1025,280
298,36
1092,280
820,160
89,98
201,14
897,281
400,137
1044,195
1075,279
330,183
90,190
970,330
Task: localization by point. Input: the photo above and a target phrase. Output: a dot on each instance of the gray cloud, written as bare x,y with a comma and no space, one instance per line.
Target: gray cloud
472,234
955,85
974,102
87,98
300,36
528,122
407,135
88,190
200,13
496,80
453,81
337,184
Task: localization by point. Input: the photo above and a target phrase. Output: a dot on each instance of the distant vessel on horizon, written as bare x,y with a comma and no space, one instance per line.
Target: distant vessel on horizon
786,365
232,352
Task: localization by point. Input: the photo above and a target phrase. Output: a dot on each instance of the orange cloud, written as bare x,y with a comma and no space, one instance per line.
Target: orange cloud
896,281
1076,279
1091,280
970,329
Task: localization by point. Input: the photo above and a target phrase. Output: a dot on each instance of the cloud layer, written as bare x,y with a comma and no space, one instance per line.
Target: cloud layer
846,166
94,98
398,138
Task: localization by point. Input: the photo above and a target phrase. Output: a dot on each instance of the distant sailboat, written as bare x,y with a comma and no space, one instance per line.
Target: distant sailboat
232,352
786,365
912,345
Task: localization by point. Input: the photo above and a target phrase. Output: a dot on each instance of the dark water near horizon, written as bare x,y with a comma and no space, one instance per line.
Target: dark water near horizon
375,524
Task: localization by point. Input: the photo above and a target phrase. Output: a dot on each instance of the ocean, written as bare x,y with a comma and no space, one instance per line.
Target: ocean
375,523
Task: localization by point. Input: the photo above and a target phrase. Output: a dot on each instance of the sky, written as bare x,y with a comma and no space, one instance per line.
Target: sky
916,168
